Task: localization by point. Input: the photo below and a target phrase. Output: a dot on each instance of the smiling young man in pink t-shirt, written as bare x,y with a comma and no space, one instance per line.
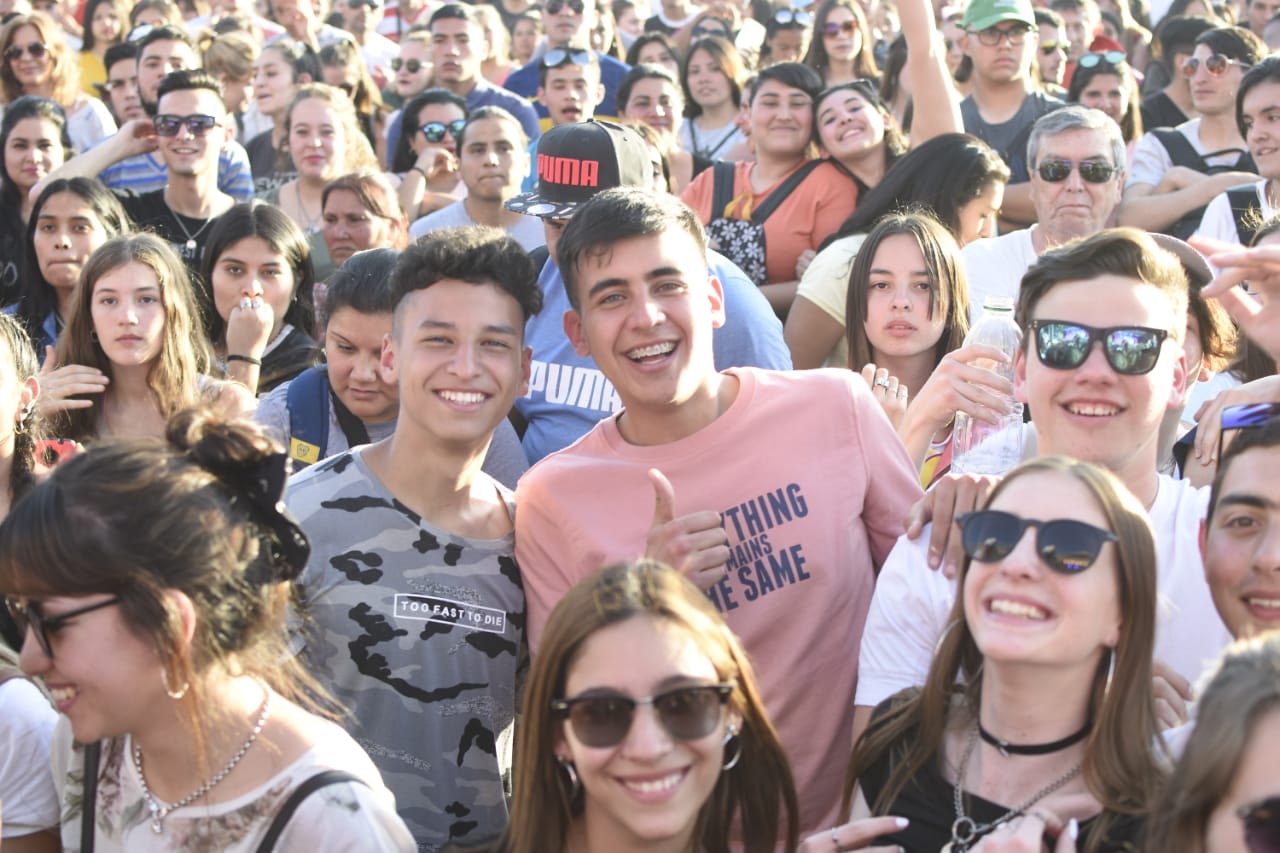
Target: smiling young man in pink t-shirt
777,493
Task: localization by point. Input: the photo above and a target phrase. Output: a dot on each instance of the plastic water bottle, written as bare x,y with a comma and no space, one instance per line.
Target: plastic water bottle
978,447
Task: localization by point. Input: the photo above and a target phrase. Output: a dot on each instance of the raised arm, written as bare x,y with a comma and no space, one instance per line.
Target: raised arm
937,108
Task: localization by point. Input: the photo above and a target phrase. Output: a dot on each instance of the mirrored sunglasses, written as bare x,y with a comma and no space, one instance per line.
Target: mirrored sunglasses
196,124
413,66
434,131
1216,65
687,713
832,29
792,16
1093,60
1091,171
1130,350
560,56
1065,545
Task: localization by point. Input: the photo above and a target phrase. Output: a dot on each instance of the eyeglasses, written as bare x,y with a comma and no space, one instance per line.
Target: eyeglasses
1048,48
1091,171
793,16
36,50
1066,545
1216,65
26,614
687,713
1110,57
1246,416
560,56
1261,825
992,36
554,7
1130,350
434,131
413,66
831,29
196,124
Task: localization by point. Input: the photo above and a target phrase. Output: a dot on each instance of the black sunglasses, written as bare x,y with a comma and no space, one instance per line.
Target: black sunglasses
831,28
687,713
196,124
1131,350
553,7
1261,825
1066,545
413,66
792,16
1092,171
713,27
1092,60
434,131
35,50
26,614
560,56
1245,416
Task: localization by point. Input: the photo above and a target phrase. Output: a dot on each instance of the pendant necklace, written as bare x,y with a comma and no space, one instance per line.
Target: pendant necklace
311,226
159,811
191,238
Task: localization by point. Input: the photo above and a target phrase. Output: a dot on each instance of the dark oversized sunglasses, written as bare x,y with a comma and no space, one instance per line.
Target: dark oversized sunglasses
687,713
1064,544
1261,825
793,16
1093,60
1216,65
196,124
26,614
35,50
1245,416
413,66
832,29
713,27
560,56
554,7
1092,171
434,131
1131,350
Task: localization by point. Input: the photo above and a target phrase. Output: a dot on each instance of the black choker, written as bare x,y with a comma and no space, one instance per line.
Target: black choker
1007,748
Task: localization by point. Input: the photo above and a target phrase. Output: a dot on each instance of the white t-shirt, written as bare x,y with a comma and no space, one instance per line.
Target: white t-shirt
995,267
712,144
26,782
1151,159
1219,223
912,603
528,232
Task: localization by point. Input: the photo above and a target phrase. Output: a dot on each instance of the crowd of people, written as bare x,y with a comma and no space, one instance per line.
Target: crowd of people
380,389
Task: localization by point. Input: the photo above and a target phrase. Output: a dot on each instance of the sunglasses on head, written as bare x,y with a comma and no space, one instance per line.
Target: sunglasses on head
561,56
793,16
1245,416
831,28
139,32
196,124
1216,65
1130,350
554,7
1092,60
714,27
687,713
1091,171
434,131
1065,545
35,50
26,614
1261,825
413,66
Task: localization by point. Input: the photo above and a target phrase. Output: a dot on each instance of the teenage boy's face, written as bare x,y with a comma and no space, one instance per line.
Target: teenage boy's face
158,59
1092,412
457,354
647,311
571,93
1240,544
188,153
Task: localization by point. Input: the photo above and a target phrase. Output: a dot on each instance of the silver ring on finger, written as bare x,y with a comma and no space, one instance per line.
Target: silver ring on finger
882,383
246,304
902,390
255,304
835,839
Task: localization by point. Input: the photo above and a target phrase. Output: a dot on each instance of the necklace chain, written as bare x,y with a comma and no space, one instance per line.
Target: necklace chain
966,830
159,811
191,238
311,226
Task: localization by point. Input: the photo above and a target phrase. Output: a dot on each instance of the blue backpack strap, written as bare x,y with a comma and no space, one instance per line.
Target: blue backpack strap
308,404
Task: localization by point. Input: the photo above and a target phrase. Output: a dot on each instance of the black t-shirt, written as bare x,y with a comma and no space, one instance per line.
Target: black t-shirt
1159,110
188,236
263,160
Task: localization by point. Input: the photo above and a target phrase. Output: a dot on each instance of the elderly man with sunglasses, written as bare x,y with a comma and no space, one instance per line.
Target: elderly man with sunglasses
1101,363
1076,155
1175,172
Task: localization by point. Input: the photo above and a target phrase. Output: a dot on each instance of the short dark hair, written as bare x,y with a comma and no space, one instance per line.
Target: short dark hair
474,254
1127,252
1266,435
168,32
1178,35
363,284
403,158
643,71
793,74
188,80
1235,43
119,53
619,214
455,11
1266,71
1048,17
492,112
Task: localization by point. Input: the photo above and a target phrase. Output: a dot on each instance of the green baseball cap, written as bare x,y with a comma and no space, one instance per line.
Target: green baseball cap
982,14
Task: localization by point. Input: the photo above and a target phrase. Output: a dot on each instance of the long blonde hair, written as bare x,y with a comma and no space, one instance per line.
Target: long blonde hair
357,152
64,69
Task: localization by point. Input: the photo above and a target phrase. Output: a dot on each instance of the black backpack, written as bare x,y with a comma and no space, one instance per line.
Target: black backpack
1183,154
742,240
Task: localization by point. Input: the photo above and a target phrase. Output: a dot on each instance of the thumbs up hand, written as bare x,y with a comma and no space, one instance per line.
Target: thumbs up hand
693,544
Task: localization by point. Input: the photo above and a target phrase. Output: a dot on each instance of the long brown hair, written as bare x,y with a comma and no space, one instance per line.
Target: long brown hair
1120,767
758,792
184,355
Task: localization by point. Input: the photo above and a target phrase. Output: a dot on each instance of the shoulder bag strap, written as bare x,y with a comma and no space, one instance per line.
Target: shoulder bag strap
778,196
722,174
89,799
306,789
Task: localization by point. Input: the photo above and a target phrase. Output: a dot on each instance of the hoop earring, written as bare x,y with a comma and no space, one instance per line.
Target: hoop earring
575,784
23,422
731,739
169,691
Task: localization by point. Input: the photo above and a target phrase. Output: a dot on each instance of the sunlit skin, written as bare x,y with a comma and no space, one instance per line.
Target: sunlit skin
350,227
250,267
157,60
1255,780
33,74
128,315
571,92
1107,92
902,320
353,352
316,140
67,232
273,84
1260,111
32,150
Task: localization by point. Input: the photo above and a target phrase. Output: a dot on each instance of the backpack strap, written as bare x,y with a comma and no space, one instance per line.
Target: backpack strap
353,429
1246,211
1180,149
722,174
89,799
308,404
539,256
786,188
306,789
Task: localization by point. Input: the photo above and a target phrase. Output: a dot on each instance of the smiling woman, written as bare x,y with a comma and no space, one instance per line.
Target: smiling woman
34,142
